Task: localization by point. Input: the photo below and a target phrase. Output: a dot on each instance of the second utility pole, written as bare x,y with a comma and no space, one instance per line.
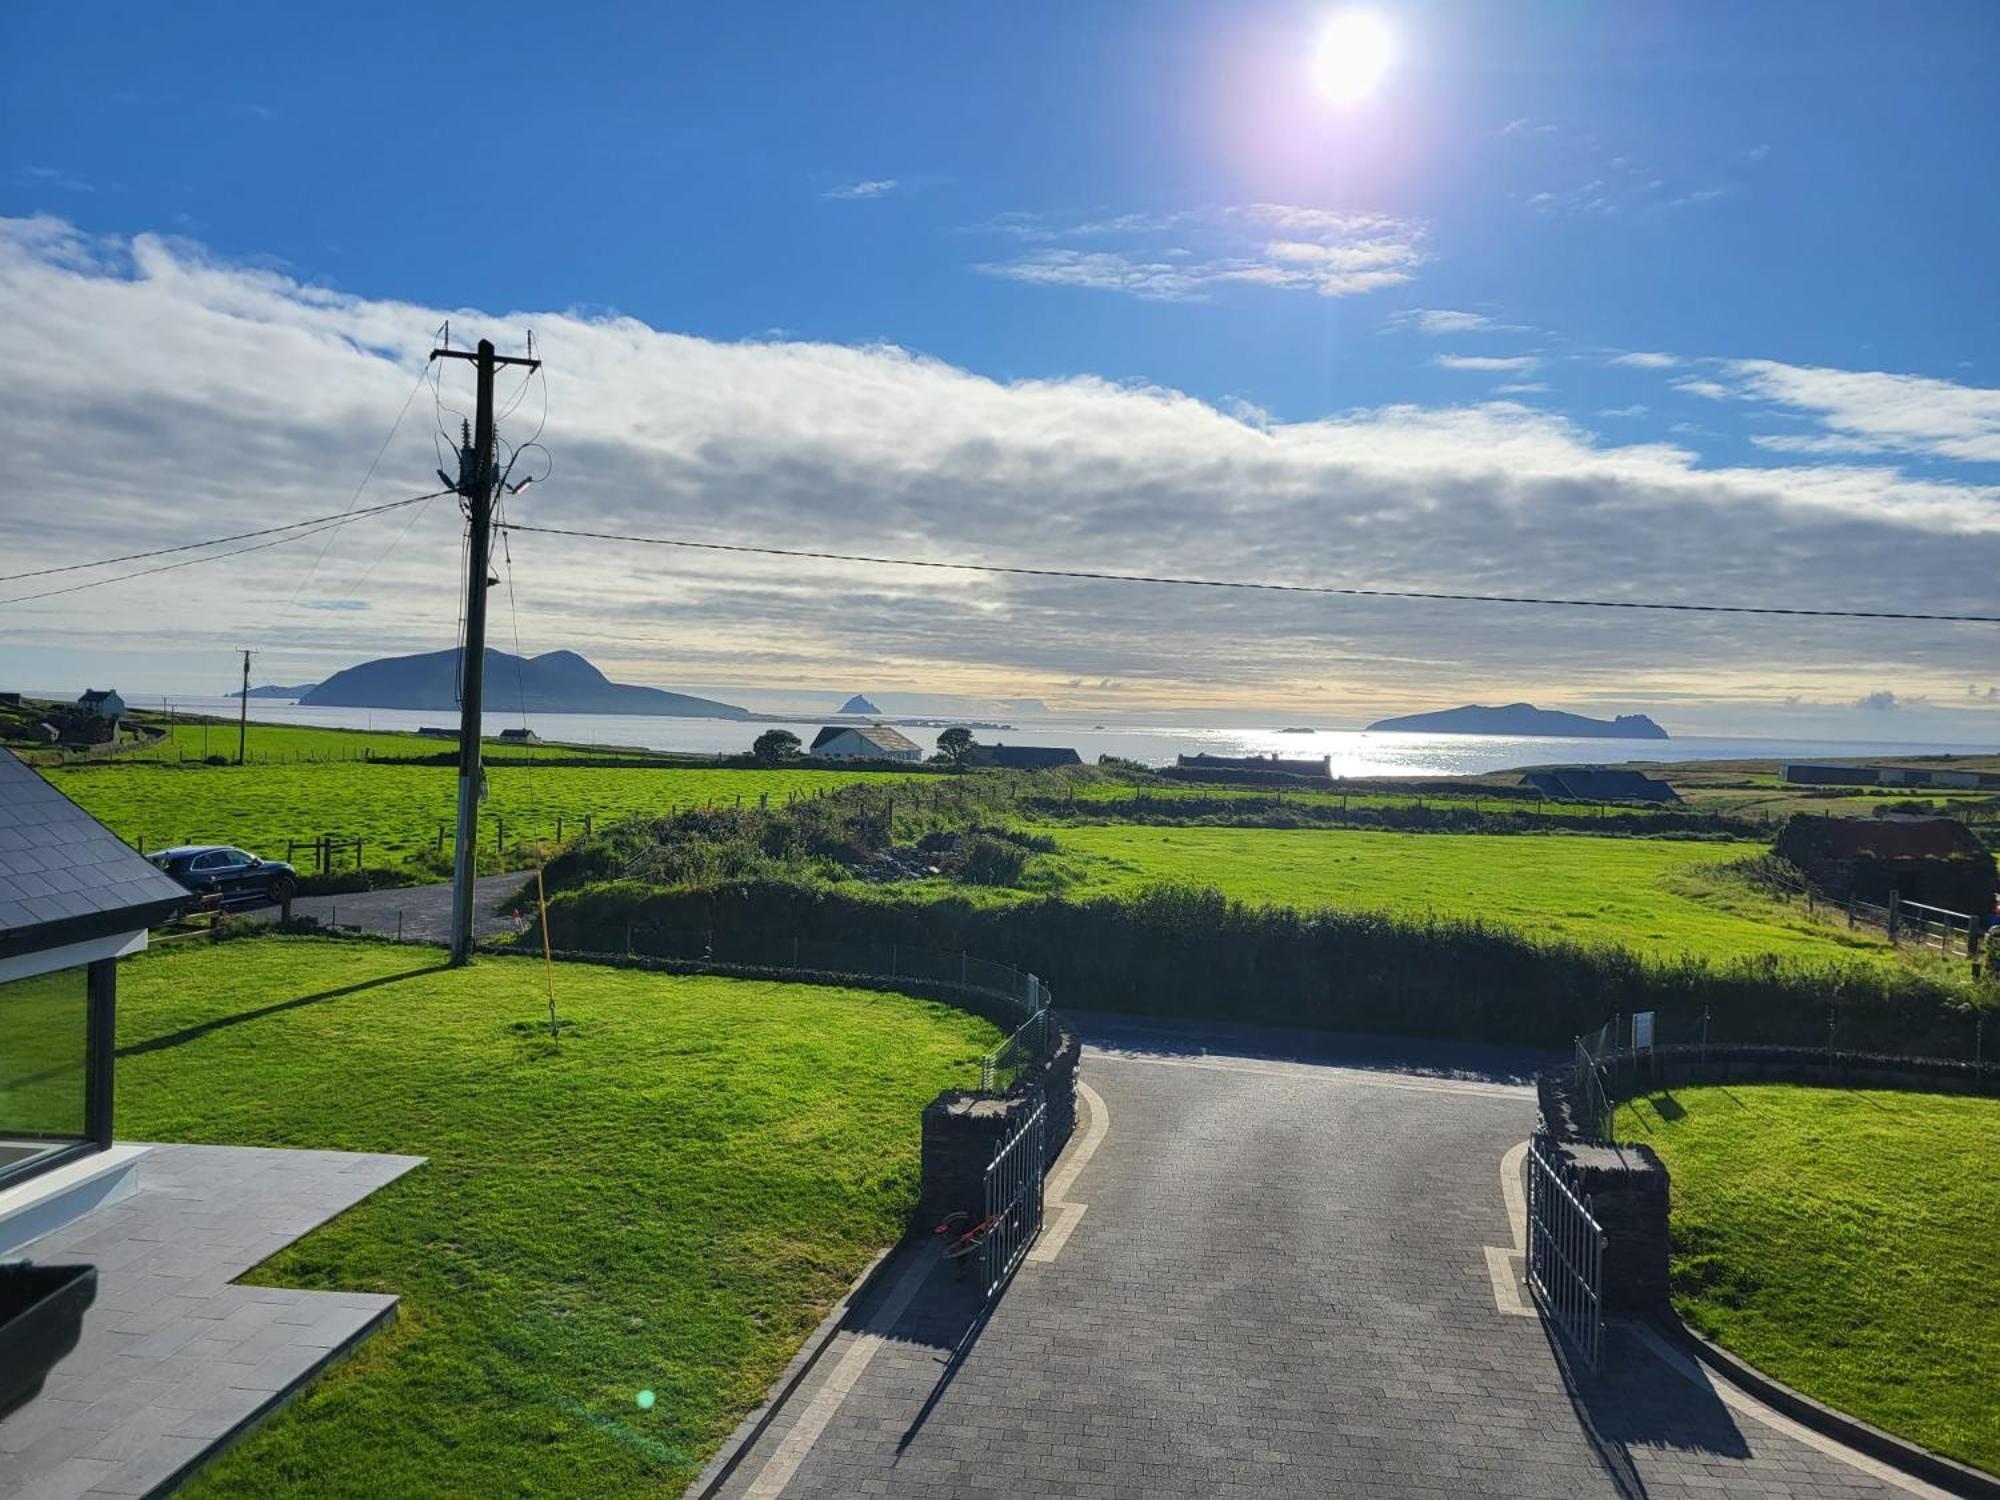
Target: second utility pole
243,710
475,486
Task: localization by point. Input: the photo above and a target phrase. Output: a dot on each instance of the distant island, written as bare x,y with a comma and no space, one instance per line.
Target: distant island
560,682
859,705
1523,718
272,690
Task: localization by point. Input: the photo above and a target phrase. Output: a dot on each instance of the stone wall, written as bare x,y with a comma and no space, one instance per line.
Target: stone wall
1627,1187
962,1130
1629,1074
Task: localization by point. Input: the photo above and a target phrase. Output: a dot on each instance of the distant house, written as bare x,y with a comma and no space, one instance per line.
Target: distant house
1024,757
520,736
1597,784
1937,861
74,899
10,700
864,742
1283,765
101,704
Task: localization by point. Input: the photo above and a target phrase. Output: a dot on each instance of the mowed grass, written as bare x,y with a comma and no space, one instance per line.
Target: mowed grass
1628,892
666,1201
286,742
396,810
1845,1243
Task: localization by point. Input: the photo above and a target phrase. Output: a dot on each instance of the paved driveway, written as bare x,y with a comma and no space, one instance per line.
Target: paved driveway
414,913
1277,1284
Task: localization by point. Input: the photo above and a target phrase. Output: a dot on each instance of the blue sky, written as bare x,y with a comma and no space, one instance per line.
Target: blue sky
1755,235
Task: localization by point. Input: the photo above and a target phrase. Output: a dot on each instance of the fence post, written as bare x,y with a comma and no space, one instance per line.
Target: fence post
1895,913
1850,911
559,827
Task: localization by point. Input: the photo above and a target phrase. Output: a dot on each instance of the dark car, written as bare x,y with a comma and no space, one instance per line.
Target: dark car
235,875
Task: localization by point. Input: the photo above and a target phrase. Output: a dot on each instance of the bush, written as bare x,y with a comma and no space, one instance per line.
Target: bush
1183,950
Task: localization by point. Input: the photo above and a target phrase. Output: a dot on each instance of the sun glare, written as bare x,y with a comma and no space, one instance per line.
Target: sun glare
1355,51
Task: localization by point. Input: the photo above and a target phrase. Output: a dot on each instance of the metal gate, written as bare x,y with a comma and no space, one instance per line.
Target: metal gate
1565,1251
1014,1199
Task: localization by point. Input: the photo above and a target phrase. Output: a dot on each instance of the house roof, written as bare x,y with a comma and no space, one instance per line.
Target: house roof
880,736
1024,757
64,876
1884,838
96,695
1597,784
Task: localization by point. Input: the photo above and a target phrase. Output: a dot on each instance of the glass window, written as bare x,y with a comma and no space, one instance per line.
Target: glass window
44,1026
205,862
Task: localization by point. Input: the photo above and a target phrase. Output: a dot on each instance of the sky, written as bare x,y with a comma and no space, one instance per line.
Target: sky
1689,302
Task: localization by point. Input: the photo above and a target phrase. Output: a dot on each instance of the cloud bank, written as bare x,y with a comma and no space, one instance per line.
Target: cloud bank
163,395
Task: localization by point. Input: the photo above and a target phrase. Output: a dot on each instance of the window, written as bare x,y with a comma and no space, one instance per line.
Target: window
44,1029
210,861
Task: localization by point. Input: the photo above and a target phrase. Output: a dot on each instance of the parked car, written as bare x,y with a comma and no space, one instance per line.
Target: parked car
237,876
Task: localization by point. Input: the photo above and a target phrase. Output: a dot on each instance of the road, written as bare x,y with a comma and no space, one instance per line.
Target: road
1265,1276
415,913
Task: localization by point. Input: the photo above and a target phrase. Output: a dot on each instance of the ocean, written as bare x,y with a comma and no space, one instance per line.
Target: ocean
1353,752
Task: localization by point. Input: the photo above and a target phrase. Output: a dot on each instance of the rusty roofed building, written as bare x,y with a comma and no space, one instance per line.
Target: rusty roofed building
1937,861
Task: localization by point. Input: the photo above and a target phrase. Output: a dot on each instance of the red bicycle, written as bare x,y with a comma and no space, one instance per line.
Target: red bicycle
963,1235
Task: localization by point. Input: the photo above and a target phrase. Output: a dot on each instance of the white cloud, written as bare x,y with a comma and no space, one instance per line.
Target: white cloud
868,187
144,409
1643,359
1708,390
1275,245
1442,321
1873,411
1510,364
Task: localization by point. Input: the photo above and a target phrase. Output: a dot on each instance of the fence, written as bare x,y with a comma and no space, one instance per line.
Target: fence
1001,1068
1565,1252
1589,1105
1014,1200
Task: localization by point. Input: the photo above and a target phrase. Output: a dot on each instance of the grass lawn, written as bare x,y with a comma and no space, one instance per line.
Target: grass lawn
396,810
1637,893
1845,1243
667,1201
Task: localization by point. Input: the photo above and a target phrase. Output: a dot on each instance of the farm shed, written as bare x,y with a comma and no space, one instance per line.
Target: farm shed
1024,757
864,742
1286,766
1597,784
1937,861
74,899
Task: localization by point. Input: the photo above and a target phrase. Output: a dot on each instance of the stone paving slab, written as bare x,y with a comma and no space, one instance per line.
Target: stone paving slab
175,1359
1277,1286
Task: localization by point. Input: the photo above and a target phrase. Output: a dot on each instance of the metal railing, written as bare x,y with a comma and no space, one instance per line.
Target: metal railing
1001,1068
1590,1106
1014,1199
1565,1252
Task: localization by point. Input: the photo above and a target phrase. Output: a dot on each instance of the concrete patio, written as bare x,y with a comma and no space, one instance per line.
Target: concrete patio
175,1359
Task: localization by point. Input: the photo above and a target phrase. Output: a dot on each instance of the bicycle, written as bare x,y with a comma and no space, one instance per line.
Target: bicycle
963,1237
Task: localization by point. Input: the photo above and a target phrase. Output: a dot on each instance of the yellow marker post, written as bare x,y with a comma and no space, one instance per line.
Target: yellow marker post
548,962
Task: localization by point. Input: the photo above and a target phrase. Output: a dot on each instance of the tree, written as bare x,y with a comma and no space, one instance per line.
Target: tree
955,746
774,745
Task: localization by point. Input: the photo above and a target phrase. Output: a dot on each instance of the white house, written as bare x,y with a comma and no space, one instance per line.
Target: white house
864,742
101,703
74,899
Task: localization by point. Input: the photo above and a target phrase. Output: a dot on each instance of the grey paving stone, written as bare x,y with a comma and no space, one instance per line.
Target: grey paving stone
174,1357
1278,1287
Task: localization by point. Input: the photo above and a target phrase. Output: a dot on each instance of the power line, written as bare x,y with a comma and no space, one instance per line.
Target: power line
299,530
1349,591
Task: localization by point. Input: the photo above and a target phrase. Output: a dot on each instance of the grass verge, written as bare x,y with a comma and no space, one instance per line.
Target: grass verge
1845,1243
667,1200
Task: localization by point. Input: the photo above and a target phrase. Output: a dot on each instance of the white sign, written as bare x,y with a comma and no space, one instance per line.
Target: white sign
1642,1030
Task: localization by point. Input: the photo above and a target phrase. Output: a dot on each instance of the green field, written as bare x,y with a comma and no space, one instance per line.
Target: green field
303,742
1845,1243
1183,795
667,1201
1644,894
397,810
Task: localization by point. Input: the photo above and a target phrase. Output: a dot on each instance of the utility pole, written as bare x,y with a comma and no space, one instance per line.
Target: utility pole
243,710
475,487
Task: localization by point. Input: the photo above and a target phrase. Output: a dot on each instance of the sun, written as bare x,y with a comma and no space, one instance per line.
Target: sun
1355,51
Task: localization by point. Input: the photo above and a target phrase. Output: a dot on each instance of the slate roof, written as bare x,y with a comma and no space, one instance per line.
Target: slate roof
1024,757
64,876
1596,784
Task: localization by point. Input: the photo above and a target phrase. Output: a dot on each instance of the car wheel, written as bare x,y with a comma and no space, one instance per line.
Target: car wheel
282,889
